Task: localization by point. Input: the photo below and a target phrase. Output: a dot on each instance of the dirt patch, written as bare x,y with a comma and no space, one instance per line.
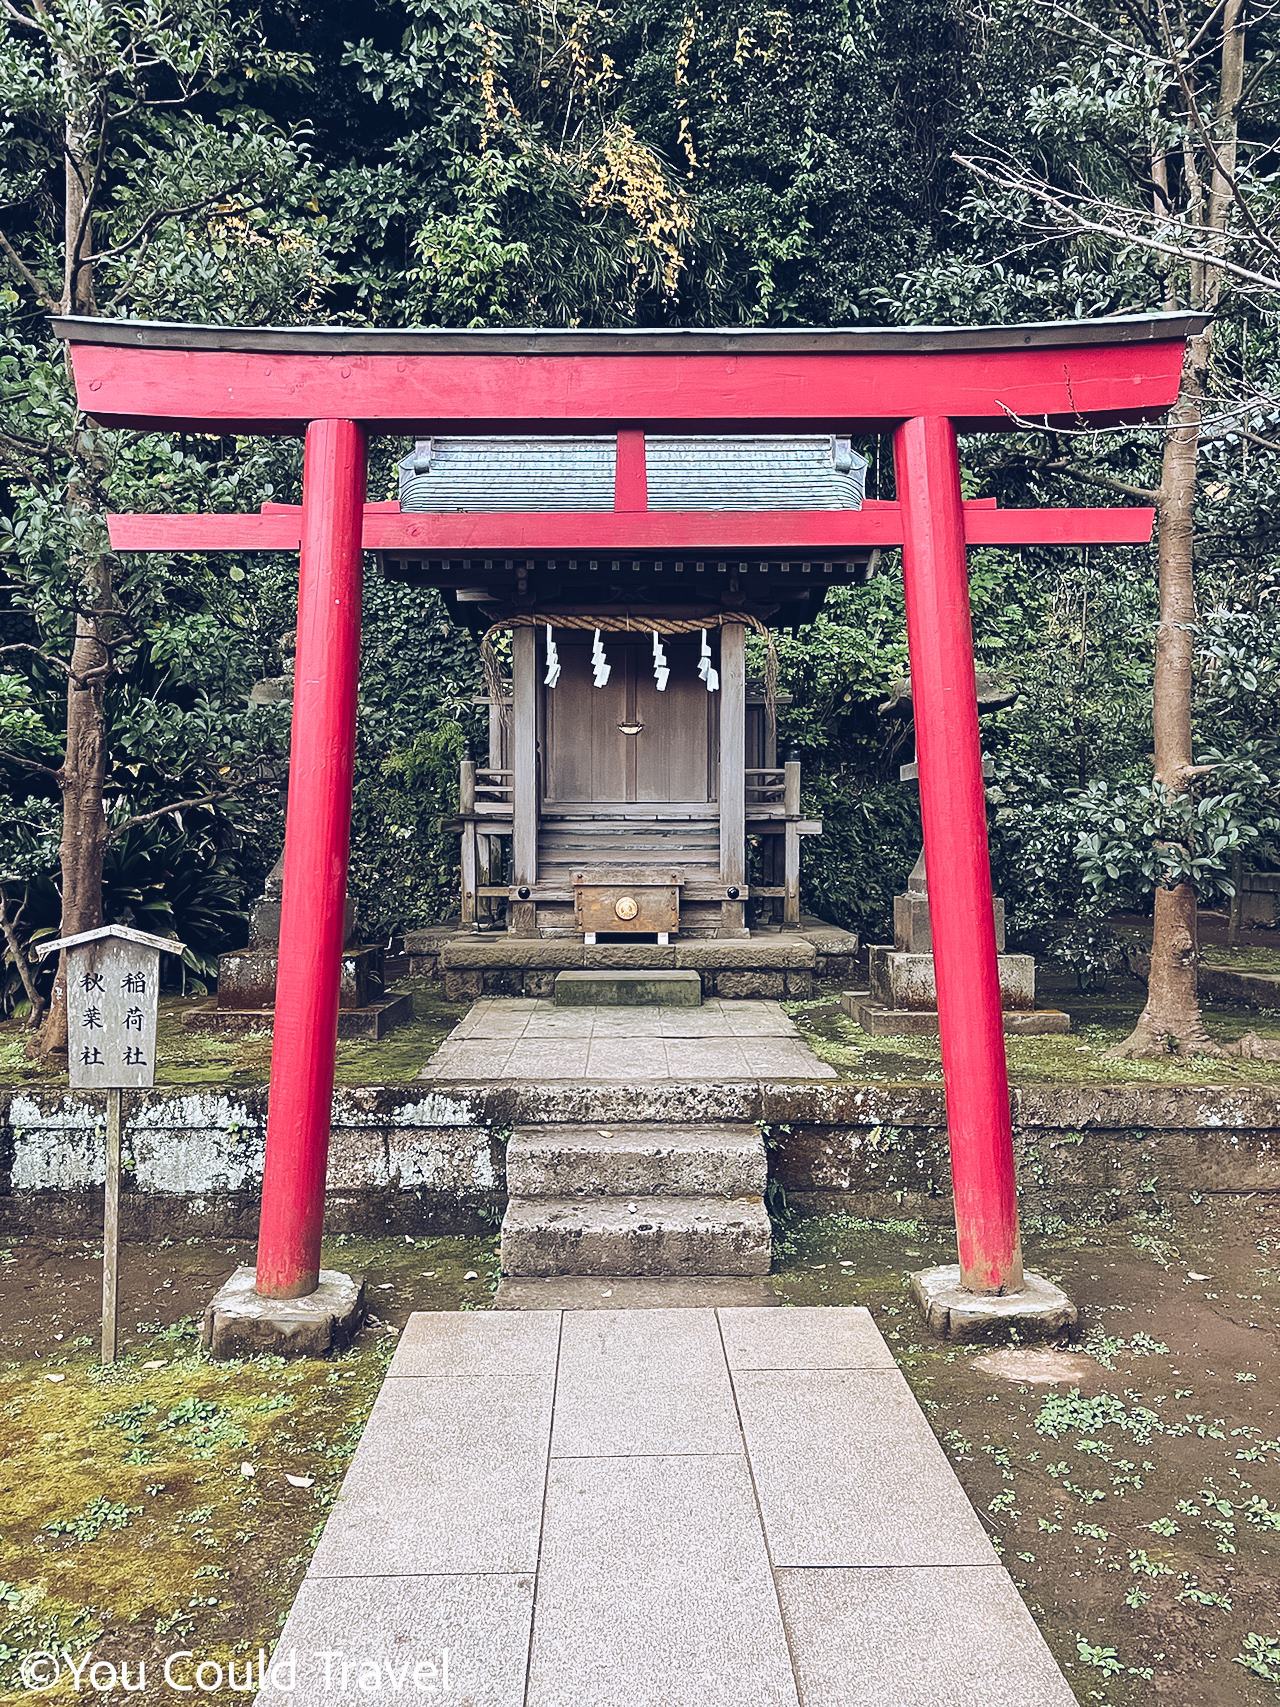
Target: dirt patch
1137,1503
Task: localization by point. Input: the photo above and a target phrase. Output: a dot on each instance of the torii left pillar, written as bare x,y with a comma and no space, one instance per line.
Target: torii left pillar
316,846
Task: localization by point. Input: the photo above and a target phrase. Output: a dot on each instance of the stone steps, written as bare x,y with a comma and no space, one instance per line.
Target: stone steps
628,989
647,1202
561,1161
638,1236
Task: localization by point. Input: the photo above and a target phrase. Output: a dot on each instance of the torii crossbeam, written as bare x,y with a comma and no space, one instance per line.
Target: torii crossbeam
339,386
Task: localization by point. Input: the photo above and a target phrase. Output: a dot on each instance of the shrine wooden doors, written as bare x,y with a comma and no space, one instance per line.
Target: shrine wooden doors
588,758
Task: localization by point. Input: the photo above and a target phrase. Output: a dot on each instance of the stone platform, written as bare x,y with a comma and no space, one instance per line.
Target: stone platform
767,966
534,1041
725,1508
880,1021
374,1020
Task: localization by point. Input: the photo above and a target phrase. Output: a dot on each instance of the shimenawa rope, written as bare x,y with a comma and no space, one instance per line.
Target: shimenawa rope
614,624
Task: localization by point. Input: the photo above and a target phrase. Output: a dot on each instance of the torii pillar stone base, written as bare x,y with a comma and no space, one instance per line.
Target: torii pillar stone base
1040,1311
239,1322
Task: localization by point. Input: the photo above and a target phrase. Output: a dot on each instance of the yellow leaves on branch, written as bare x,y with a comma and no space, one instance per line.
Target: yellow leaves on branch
628,176
778,25
684,49
488,81
234,233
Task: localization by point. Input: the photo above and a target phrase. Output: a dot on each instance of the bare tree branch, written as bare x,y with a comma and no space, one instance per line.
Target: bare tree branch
1061,465
164,811
32,447
158,218
28,764
25,646
48,303
1070,207
17,17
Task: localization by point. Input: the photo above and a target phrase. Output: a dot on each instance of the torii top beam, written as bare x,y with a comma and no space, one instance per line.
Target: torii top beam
223,379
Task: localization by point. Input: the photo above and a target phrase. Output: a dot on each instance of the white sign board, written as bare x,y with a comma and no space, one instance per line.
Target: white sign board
113,982
112,987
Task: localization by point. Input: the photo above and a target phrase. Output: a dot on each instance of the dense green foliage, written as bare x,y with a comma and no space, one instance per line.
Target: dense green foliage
434,161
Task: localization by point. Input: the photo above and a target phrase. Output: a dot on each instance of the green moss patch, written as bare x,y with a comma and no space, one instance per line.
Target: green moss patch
186,1057
1076,1057
148,1507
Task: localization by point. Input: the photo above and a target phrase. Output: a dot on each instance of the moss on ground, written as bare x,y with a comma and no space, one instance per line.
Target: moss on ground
1075,1057
1241,959
186,1057
148,1506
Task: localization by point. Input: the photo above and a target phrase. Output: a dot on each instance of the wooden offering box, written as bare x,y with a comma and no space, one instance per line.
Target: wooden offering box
614,902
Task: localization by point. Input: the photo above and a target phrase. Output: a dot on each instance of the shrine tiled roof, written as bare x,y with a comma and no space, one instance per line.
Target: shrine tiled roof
805,471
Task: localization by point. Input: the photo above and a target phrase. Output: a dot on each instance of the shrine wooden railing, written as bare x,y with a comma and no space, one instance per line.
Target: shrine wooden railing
774,792
484,792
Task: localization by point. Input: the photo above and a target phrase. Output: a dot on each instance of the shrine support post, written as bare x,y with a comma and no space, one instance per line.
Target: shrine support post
317,838
953,808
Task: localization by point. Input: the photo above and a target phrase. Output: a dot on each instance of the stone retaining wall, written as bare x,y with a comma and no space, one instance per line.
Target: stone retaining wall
405,1160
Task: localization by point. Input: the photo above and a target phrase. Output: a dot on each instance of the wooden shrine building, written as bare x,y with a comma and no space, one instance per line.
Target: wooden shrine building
632,784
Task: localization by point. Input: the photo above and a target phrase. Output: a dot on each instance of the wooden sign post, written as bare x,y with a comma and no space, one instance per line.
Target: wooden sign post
113,980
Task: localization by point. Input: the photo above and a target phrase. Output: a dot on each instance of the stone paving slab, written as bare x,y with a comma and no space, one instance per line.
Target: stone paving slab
654,1588
642,1381
627,1058
533,1041
880,1493
951,1636
720,1507
803,1339
444,1343
448,1480
440,1638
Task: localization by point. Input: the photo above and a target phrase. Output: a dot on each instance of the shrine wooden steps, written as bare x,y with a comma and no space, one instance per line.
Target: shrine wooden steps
566,845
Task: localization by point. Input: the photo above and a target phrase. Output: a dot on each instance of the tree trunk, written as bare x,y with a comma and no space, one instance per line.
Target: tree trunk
84,822
84,763
77,226
1172,1011
18,954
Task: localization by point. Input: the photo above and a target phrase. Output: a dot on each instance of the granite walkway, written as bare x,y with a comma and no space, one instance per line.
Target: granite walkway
655,1508
521,1037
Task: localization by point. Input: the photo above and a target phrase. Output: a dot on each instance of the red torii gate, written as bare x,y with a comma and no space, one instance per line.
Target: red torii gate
338,386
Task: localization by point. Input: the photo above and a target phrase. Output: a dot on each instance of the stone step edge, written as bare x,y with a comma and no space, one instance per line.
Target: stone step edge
675,1210
647,1134
677,1237
659,1161
632,1292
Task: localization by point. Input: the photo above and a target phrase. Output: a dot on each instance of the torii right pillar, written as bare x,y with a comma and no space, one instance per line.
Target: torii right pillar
989,1290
